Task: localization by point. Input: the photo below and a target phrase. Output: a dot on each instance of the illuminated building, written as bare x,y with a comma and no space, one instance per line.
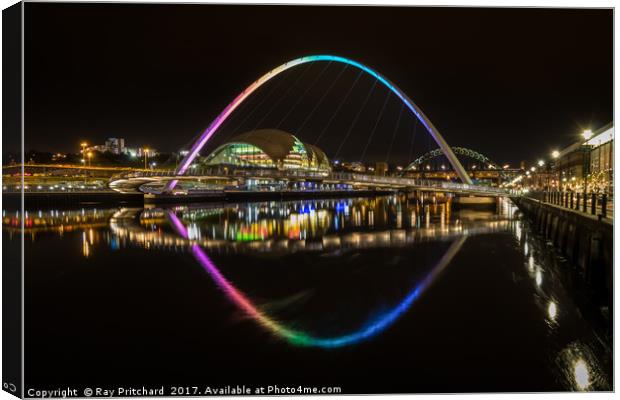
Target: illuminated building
354,166
115,145
381,168
269,148
602,158
588,163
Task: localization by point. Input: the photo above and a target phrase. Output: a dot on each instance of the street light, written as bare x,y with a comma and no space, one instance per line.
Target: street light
146,156
587,134
83,146
533,169
541,163
555,154
89,155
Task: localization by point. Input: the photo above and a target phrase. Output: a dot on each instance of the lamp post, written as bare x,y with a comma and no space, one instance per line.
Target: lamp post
83,152
555,154
89,156
146,156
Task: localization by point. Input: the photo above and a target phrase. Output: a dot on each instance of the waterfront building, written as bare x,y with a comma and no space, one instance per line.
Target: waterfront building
601,163
381,168
271,149
354,166
588,164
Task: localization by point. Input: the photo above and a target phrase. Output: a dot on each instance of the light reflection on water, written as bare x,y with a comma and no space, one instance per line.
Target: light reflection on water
326,228
581,365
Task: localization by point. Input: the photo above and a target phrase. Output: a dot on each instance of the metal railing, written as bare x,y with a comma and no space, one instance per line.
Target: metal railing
599,204
336,176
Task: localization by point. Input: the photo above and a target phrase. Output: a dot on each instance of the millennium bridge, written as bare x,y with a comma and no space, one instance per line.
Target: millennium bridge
149,182
163,184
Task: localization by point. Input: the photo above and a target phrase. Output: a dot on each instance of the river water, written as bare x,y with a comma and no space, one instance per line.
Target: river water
372,295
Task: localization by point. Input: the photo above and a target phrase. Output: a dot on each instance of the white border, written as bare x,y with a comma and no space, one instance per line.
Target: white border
495,3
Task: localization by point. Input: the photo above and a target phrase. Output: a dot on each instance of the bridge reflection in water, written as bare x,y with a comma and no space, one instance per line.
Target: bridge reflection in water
333,274
303,338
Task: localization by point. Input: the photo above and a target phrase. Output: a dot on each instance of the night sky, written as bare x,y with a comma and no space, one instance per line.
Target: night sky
511,83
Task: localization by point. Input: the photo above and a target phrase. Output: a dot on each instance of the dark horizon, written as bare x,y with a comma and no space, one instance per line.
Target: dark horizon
510,83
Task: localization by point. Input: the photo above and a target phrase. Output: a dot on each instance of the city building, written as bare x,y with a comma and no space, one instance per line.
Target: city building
587,165
111,145
269,148
98,147
115,145
59,157
381,168
353,166
601,165
131,151
541,178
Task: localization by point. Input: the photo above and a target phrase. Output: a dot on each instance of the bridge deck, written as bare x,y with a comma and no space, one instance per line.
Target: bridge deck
132,181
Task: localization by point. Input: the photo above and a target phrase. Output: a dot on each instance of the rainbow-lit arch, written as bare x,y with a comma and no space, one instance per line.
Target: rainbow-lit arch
212,128
301,338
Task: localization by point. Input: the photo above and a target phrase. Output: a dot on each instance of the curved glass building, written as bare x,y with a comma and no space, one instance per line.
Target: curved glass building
269,148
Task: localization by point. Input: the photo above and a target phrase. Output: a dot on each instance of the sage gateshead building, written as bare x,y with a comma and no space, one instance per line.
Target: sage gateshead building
269,149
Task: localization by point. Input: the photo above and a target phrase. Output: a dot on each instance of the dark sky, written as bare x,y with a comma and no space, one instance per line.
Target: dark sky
510,83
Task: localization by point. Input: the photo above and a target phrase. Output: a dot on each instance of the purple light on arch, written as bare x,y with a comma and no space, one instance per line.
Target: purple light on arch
217,122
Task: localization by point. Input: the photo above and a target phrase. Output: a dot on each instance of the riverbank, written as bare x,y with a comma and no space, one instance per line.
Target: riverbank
585,240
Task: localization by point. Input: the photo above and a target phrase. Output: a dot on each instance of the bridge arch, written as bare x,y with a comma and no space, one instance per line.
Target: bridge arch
215,124
462,151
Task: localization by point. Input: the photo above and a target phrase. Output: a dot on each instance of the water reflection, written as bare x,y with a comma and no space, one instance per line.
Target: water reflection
302,338
403,248
317,226
581,364
552,311
582,376
261,223
268,226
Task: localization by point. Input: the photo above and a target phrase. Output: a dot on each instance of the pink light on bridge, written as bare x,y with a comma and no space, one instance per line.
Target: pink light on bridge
217,122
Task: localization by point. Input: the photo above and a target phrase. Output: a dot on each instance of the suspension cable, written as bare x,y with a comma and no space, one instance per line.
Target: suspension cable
259,104
316,106
256,106
374,128
303,95
359,112
415,128
277,103
400,114
338,108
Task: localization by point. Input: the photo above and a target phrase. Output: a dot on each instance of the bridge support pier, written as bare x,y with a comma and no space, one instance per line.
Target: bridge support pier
475,202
